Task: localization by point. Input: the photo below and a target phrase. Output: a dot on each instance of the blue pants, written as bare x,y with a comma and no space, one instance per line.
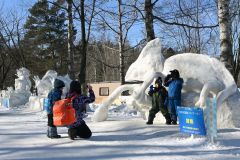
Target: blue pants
172,108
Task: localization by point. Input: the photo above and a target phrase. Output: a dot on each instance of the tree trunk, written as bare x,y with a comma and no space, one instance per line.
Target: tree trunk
149,20
237,63
70,40
225,34
120,44
82,75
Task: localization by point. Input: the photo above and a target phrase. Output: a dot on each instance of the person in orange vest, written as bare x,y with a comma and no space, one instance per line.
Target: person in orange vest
53,96
79,128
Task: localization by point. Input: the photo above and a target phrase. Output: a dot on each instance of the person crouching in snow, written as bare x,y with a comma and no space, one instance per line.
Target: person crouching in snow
53,96
159,101
79,128
174,84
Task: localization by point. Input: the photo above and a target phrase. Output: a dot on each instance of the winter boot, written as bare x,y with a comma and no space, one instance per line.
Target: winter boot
168,119
174,122
150,121
72,133
53,133
48,134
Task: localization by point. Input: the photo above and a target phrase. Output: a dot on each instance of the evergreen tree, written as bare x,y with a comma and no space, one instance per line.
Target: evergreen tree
46,37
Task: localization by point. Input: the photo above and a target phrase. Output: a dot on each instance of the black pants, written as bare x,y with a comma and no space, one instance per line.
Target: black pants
154,110
81,131
52,129
50,120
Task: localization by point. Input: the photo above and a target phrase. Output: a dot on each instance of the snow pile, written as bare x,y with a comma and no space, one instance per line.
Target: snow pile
120,111
35,103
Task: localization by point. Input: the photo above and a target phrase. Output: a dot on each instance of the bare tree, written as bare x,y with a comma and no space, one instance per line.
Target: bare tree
148,8
119,22
11,54
104,57
225,34
235,33
85,24
70,40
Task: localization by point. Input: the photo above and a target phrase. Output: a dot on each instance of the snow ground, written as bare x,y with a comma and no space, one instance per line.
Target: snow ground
23,137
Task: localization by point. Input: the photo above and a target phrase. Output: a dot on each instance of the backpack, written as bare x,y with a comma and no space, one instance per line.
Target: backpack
63,112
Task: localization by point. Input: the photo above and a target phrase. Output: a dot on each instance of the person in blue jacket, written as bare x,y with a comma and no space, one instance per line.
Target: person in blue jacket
79,128
53,96
174,84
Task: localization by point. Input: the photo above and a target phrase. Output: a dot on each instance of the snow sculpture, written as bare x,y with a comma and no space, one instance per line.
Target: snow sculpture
20,95
203,76
46,83
66,79
44,86
23,83
5,94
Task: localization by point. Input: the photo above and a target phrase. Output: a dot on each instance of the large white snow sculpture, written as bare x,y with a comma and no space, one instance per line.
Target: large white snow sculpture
44,86
203,76
46,83
20,95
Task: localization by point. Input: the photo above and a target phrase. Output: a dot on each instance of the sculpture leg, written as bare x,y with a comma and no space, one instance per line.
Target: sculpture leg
212,86
101,112
139,94
224,94
139,107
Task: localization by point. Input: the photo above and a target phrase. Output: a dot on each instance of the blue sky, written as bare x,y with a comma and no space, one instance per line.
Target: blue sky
22,6
135,34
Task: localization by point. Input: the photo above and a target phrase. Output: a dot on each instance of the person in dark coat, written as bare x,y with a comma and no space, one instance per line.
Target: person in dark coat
79,128
159,101
53,96
174,84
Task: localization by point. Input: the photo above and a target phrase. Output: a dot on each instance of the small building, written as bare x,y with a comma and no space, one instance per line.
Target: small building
103,89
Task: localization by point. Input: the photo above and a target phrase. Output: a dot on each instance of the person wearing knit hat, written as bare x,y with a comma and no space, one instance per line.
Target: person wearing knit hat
174,84
53,96
159,102
79,128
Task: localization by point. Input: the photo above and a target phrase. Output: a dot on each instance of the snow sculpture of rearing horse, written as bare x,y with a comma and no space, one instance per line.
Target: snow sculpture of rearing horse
203,76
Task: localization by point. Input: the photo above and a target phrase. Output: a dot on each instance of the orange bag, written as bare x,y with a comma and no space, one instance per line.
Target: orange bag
63,112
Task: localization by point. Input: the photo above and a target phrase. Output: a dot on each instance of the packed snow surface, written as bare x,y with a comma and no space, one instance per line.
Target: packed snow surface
123,136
